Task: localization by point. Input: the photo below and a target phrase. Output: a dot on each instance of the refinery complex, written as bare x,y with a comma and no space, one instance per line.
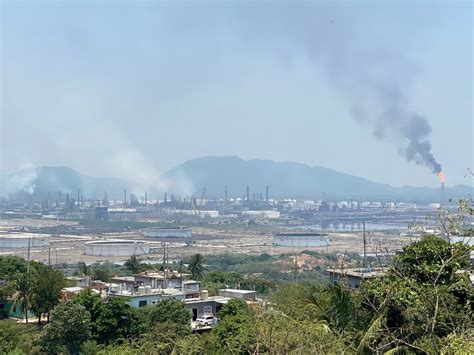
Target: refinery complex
66,230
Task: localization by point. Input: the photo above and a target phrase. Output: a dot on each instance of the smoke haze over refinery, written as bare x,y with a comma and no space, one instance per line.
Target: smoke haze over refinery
369,90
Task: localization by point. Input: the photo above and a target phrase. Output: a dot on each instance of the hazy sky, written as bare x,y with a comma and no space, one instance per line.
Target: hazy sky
133,88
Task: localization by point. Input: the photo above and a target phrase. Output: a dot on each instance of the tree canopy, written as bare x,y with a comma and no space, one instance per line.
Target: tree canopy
196,266
69,328
134,264
46,290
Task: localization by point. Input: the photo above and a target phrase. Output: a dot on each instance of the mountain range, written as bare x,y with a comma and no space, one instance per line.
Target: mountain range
284,179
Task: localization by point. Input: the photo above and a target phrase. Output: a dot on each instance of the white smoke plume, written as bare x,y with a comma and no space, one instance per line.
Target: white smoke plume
134,166
21,181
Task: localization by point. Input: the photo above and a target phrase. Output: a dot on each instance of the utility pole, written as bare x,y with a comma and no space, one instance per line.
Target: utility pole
365,246
181,273
165,263
296,265
28,256
28,276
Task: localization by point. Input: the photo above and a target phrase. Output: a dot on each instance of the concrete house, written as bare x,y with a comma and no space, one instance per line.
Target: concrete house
354,277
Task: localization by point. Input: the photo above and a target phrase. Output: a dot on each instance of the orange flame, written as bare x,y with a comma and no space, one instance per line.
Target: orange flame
441,176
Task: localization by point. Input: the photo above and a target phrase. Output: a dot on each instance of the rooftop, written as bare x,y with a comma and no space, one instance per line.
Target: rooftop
124,278
233,290
361,273
160,274
218,299
153,291
301,234
73,289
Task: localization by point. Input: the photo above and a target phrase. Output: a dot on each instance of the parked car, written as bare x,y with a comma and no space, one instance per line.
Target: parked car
205,320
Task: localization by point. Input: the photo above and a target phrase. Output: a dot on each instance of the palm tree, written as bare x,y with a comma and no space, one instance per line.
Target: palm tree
85,270
196,266
333,304
134,264
23,293
316,299
341,311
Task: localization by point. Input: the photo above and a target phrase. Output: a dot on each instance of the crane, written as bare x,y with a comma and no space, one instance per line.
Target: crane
203,198
202,202
195,212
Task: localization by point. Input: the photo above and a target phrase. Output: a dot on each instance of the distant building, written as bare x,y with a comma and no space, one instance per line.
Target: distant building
149,288
9,309
78,281
209,214
198,213
354,277
174,280
145,295
262,214
246,295
197,303
205,305
134,200
101,213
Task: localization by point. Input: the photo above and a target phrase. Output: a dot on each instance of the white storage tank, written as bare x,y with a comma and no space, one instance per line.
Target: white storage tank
176,232
301,240
21,240
116,248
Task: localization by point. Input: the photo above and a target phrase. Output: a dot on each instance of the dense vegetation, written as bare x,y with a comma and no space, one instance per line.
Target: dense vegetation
31,286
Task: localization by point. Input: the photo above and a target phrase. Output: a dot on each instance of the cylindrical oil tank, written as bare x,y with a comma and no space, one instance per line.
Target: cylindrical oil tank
301,240
116,248
177,232
23,240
